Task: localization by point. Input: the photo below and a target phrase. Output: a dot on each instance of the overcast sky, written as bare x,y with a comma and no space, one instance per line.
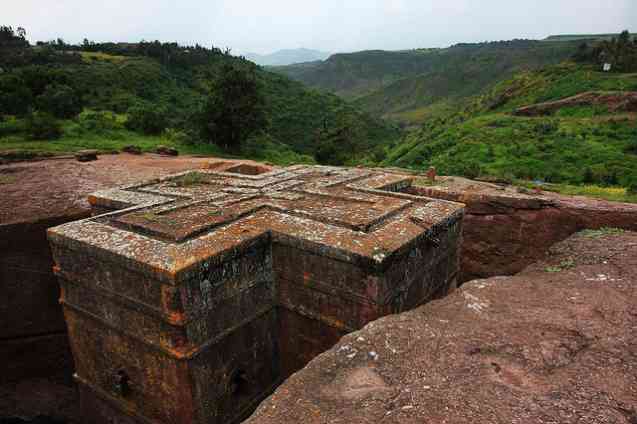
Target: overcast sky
264,26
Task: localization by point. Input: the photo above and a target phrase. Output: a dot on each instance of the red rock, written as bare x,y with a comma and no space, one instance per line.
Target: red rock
538,347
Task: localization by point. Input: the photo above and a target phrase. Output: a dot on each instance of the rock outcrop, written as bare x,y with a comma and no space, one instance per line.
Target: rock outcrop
615,101
507,228
36,196
555,343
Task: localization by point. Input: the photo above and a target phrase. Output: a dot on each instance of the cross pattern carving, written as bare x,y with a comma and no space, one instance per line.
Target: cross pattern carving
205,200
168,226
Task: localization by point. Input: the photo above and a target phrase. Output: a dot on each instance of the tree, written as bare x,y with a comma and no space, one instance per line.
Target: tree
339,141
12,39
15,96
631,187
147,118
60,101
43,126
234,109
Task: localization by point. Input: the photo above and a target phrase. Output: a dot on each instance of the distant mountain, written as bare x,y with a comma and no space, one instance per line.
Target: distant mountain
287,57
402,85
587,139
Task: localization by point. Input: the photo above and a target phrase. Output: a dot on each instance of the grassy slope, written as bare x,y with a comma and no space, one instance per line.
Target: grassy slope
483,138
402,85
109,82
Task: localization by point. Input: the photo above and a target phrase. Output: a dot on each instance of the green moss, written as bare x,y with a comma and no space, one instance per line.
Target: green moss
190,179
7,179
602,232
564,265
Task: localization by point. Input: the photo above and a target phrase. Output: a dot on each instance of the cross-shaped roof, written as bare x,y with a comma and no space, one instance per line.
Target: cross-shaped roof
172,224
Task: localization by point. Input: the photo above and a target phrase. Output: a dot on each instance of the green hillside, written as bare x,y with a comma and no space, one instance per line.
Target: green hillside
392,84
108,95
577,144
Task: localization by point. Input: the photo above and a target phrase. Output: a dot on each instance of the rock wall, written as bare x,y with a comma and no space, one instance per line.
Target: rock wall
36,196
33,338
555,343
506,230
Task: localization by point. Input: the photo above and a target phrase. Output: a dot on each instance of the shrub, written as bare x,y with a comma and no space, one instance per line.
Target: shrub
180,136
98,121
15,96
11,126
631,187
147,118
43,126
60,101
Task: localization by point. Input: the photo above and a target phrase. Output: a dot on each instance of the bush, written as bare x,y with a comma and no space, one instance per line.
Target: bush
147,118
120,101
43,126
60,101
92,121
15,96
180,136
631,187
11,126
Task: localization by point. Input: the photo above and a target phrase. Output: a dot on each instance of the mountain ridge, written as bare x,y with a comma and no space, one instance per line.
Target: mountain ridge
286,57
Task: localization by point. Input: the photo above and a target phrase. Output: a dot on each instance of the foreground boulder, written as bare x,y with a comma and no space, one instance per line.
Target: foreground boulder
555,343
167,151
86,155
132,149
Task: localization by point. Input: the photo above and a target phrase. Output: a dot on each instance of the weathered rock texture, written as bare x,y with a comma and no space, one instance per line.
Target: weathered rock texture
207,288
36,196
508,229
554,344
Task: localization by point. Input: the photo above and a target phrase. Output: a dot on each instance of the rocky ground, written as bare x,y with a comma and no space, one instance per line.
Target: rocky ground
556,343
34,196
56,187
552,344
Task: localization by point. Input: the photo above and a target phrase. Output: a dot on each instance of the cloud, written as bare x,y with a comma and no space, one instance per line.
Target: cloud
331,25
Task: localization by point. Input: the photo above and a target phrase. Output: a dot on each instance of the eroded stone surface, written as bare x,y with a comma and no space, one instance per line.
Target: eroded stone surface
553,344
507,228
239,275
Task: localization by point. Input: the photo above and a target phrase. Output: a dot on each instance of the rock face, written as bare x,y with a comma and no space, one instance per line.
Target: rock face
210,279
555,343
507,229
36,196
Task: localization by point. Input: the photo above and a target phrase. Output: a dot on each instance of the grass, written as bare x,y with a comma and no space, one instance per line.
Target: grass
602,232
579,144
426,182
96,56
564,265
7,179
20,147
190,179
613,194
107,143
